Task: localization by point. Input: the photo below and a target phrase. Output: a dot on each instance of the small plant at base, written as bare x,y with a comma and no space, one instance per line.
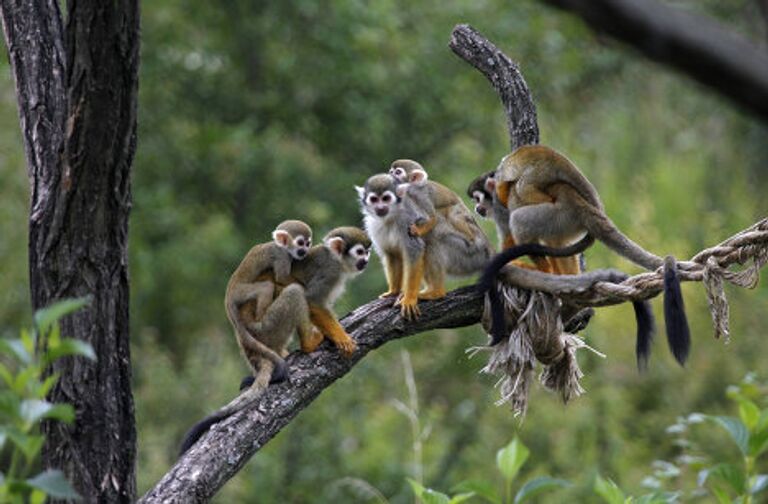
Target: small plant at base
727,482
509,460
23,405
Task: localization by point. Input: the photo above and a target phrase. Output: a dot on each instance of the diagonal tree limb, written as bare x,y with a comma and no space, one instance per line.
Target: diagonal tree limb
221,453
505,77
694,44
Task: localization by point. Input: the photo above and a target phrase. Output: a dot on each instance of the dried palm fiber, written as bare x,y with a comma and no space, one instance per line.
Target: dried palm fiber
537,333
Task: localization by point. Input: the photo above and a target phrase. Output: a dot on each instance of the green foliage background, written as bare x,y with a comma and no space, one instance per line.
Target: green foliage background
252,112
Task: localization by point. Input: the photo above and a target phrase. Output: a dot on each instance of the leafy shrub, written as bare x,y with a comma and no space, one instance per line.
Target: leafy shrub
23,388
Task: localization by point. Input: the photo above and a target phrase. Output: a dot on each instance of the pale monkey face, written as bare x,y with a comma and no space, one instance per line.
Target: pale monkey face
300,246
380,204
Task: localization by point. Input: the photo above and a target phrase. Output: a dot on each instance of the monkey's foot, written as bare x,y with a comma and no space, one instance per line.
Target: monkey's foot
347,346
409,308
389,293
310,343
432,294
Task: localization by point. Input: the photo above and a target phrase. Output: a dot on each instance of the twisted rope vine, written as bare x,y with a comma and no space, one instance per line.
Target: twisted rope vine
537,332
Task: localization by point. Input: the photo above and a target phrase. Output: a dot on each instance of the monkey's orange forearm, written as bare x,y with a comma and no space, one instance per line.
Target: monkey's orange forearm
422,229
326,321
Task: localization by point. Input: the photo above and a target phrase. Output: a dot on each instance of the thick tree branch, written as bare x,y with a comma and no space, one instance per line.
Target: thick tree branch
694,44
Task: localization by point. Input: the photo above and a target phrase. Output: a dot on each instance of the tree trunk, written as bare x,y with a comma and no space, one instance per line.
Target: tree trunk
77,93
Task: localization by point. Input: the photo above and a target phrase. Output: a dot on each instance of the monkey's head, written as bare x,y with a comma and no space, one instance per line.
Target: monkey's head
351,245
481,191
378,196
295,236
408,170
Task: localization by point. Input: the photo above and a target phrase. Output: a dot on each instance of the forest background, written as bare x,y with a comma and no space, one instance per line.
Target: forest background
253,112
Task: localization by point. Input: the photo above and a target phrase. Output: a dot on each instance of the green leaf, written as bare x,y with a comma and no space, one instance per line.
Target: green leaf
46,317
758,442
749,413
511,458
736,429
759,483
29,444
53,483
6,375
24,379
483,489
69,346
658,498
37,497
34,410
458,498
15,348
9,406
728,473
609,491
3,437
427,495
46,386
538,485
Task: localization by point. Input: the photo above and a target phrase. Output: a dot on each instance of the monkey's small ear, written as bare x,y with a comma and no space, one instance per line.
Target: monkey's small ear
490,185
419,176
336,244
282,238
401,190
360,191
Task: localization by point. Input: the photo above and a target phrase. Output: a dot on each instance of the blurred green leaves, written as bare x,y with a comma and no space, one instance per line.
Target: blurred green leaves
23,364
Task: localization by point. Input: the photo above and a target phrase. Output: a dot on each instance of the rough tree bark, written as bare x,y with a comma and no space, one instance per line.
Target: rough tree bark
77,94
223,451
695,44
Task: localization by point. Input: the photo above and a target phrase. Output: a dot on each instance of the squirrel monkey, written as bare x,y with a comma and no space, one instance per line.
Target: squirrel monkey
344,254
323,274
259,342
387,213
482,190
430,197
552,203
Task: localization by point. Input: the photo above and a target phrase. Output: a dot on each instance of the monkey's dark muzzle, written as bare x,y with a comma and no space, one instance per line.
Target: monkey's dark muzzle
301,253
361,264
382,211
481,210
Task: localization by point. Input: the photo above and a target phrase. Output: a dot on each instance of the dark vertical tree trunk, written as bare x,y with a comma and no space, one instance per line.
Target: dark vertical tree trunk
77,93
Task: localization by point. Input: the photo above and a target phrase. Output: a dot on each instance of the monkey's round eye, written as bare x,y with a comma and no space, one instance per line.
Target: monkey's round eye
300,242
387,198
373,199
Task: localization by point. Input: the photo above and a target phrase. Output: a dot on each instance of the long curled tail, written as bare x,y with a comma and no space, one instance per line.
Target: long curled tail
675,320
487,281
245,399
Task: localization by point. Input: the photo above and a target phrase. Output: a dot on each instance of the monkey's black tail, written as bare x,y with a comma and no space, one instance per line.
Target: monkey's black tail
487,281
645,331
200,428
675,320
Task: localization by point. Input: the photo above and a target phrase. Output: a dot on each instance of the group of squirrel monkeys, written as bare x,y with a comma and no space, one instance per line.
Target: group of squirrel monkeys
541,203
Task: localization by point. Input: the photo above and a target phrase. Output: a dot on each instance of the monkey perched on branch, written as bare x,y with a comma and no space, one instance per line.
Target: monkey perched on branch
321,278
550,202
389,215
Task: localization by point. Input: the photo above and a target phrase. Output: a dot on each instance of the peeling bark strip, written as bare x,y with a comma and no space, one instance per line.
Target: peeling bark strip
77,95
695,44
222,452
